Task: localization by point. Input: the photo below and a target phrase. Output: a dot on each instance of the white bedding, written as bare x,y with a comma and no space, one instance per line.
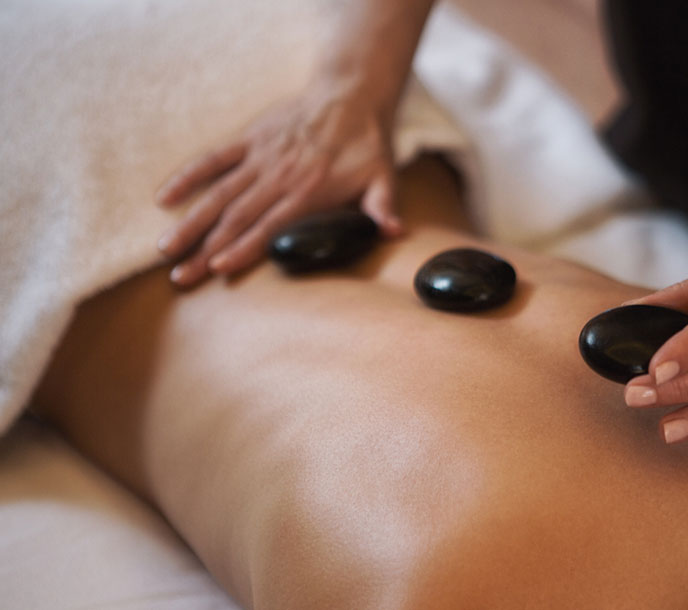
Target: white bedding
101,99
72,539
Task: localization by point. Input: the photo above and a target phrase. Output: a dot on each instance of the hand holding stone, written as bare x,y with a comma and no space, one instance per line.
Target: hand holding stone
667,381
326,147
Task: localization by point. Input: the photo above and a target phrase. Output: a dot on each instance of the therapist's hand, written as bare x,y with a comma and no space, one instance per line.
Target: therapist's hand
326,147
667,382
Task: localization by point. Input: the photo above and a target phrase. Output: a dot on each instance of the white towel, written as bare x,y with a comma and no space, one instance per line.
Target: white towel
545,182
101,99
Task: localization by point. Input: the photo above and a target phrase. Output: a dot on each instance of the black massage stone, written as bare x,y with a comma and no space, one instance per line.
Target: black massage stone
324,241
619,343
465,280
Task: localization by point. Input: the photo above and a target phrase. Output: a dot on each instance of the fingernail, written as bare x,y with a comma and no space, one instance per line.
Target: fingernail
640,396
666,371
177,274
676,430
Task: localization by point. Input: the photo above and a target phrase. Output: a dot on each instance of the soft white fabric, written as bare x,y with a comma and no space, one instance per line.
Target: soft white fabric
72,539
100,100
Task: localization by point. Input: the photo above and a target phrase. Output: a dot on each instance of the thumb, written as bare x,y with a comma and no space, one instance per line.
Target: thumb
379,202
675,296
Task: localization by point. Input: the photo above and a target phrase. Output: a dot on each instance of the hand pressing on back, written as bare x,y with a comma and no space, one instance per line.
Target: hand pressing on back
322,149
667,381
328,146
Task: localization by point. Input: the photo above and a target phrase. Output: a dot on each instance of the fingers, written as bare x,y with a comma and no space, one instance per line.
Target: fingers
645,392
379,202
191,271
193,174
669,368
315,151
205,212
671,360
236,217
252,244
242,213
666,385
674,426
641,392
241,236
675,297
667,382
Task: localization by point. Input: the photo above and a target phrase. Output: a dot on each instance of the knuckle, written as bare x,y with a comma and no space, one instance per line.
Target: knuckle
224,190
673,349
194,222
682,387
213,240
674,392
235,219
216,240
212,158
220,195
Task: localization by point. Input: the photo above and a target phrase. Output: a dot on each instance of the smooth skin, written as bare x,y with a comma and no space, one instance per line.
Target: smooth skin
329,442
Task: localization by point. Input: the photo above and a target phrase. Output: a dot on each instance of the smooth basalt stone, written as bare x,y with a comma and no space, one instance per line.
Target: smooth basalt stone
324,241
465,280
619,343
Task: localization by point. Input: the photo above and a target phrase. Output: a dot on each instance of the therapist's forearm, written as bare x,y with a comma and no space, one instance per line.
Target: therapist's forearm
374,46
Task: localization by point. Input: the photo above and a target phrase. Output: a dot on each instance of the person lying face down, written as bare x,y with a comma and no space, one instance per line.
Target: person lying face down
332,142
330,442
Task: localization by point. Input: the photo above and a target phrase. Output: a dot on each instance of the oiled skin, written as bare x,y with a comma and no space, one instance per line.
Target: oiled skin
329,442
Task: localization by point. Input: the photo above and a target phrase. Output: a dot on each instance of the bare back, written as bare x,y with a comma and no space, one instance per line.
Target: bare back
329,442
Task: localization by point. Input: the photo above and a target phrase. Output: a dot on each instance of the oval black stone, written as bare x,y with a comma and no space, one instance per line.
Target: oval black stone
619,343
325,240
465,280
